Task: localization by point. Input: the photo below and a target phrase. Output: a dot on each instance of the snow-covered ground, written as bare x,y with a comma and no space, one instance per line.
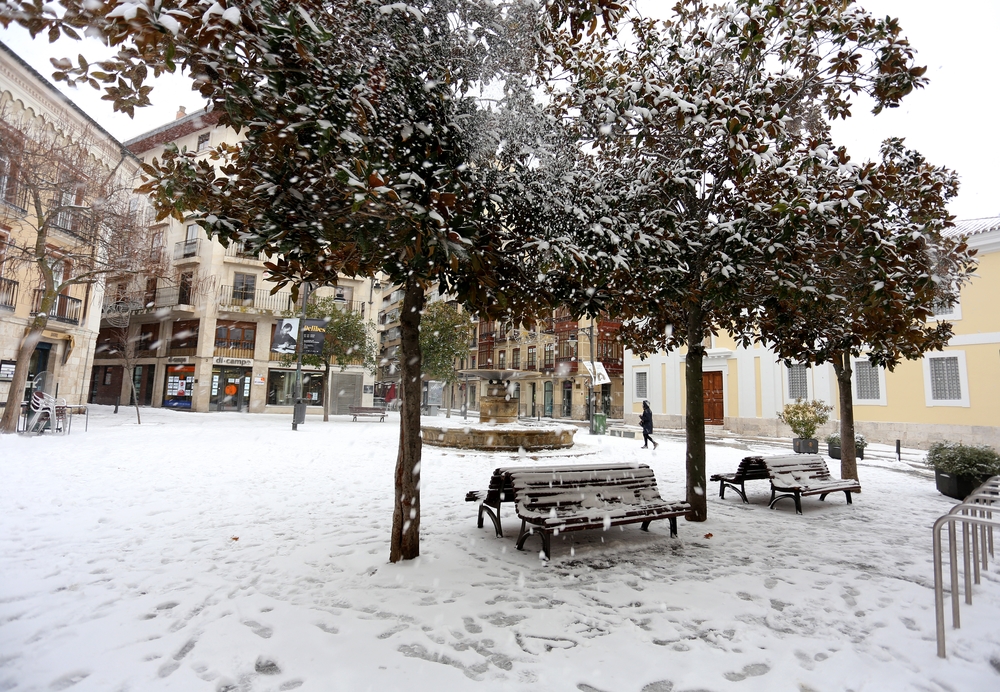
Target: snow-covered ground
226,552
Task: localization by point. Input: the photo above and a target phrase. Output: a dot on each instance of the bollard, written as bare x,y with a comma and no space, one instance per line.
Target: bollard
117,401
899,451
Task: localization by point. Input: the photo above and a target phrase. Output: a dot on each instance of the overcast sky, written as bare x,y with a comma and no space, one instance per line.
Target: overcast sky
951,121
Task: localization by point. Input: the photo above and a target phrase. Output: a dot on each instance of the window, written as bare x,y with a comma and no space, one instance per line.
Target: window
281,387
531,358
945,379
184,288
550,355
192,232
203,142
641,382
798,381
515,359
947,306
867,386
148,338
243,287
184,337
502,359
5,178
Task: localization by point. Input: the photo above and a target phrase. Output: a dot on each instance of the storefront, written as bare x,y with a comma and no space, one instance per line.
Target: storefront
179,388
230,388
281,387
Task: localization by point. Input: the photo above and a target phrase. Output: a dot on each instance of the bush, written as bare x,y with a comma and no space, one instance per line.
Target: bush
803,417
859,440
958,459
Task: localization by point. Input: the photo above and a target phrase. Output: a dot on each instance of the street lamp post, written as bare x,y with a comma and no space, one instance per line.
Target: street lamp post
298,408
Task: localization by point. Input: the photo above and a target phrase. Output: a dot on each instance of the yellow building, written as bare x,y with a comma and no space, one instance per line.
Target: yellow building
951,395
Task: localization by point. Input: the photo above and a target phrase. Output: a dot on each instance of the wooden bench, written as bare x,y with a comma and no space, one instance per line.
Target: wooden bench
367,411
750,469
553,499
800,475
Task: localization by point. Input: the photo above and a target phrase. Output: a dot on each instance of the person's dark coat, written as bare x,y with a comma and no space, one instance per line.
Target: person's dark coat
646,420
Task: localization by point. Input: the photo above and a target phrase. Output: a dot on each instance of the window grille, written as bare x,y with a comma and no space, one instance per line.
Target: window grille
866,376
946,384
640,385
798,381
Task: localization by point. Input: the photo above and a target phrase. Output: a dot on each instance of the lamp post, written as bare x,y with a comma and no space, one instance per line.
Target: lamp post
298,408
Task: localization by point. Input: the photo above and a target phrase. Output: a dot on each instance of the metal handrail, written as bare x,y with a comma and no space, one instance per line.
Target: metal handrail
975,514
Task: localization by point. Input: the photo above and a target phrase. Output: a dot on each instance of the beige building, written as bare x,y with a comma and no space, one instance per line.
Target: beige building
204,332
34,110
952,394
549,361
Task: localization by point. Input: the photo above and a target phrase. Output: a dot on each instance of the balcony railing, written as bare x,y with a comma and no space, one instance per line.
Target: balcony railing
234,349
66,309
137,301
239,251
246,298
8,294
186,249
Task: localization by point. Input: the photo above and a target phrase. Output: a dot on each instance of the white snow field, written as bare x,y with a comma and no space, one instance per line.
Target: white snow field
226,552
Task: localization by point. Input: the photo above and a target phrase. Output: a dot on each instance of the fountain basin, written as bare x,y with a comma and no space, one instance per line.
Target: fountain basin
502,437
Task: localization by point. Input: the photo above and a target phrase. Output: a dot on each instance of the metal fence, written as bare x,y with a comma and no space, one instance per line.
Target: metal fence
975,516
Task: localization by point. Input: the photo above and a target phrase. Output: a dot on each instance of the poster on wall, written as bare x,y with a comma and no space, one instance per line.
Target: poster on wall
286,333
7,370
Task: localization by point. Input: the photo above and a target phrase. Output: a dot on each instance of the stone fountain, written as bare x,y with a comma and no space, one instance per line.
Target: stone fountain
499,428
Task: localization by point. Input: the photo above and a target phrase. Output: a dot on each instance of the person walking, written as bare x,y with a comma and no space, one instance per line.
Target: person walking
646,421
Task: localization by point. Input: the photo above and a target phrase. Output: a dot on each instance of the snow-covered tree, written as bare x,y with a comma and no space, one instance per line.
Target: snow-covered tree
444,339
704,122
867,281
367,144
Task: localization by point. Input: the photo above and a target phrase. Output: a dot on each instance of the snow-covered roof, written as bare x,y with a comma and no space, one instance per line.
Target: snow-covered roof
969,227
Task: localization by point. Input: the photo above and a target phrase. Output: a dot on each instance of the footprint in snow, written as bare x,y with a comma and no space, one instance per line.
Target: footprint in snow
259,629
752,670
470,626
68,680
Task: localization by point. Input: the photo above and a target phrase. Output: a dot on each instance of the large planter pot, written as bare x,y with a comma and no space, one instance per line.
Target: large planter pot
805,445
958,487
834,451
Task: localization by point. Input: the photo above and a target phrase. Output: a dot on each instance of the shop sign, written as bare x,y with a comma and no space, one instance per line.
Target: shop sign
237,362
182,360
258,380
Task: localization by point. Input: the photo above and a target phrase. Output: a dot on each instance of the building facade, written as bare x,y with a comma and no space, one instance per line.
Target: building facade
204,332
80,150
552,380
952,394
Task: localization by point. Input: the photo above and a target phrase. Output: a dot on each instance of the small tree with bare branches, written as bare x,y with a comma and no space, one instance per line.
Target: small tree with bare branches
68,198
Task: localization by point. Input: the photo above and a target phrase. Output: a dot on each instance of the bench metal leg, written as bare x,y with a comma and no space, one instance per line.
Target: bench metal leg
526,532
673,526
494,513
793,495
645,525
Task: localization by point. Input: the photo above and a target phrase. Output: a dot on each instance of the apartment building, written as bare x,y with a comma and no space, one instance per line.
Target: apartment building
952,394
550,379
55,154
203,333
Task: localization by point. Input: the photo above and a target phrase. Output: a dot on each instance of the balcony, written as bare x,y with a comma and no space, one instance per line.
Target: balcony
238,252
567,365
225,348
8,294
66,308
240,299
139,302
186,251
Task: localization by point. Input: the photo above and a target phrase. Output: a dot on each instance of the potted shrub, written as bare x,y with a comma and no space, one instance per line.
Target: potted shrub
803,417
959,468
833,445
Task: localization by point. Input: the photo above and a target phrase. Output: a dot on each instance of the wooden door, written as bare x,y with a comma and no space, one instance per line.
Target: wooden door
712,383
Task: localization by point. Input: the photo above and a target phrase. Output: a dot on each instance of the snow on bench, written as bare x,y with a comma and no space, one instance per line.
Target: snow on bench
553,499
367,411
800,475
750,469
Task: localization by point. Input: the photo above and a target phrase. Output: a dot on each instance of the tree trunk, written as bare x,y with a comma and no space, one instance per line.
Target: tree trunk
405,543
848,450
329,391
451,400
695,417
130,371
12,409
